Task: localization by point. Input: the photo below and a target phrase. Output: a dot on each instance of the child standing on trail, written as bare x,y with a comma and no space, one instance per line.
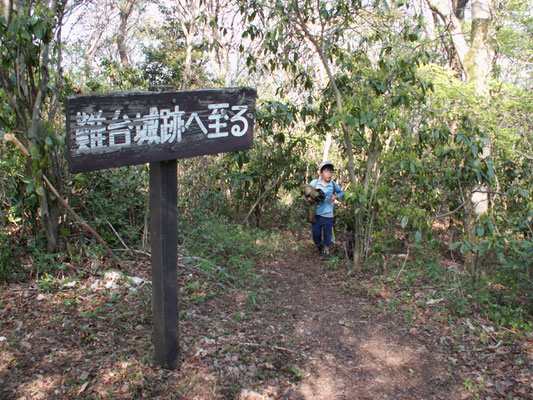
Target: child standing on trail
323,227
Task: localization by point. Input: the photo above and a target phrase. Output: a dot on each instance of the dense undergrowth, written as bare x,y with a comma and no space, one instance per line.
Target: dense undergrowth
428,280
227,254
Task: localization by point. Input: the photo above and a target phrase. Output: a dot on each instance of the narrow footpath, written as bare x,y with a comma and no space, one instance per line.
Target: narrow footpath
308,339
348,348
289,327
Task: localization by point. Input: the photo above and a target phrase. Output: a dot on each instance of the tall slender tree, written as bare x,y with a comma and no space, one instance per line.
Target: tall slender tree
125,10
476,60
29,33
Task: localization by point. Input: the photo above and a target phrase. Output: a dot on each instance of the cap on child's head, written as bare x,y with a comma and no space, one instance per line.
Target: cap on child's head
325,164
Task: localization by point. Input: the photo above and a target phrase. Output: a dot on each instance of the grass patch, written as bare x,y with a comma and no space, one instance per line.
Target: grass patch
424,281
226,255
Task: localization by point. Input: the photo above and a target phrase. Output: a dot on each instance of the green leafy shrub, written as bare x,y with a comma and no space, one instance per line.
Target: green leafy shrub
114,199
9,262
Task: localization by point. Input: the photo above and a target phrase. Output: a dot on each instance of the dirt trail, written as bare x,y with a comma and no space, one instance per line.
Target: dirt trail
293,332
348,349
308,339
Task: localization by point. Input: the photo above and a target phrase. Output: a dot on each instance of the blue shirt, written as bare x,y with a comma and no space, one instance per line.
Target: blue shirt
323,208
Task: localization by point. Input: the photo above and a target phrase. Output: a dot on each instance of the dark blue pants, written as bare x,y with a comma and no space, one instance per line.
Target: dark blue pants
323,226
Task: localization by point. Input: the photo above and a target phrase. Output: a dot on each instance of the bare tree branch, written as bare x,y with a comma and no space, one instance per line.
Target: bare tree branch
16,142
83,223
450,212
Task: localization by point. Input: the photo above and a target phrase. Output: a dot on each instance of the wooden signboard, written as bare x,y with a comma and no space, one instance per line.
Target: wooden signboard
127,128
114,130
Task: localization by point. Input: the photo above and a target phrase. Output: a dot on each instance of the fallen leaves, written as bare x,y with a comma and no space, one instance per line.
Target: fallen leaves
91,338
82,389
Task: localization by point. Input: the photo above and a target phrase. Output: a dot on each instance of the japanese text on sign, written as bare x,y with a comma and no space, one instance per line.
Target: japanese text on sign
95,133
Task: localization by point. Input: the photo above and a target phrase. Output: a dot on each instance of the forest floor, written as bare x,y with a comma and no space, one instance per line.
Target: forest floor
300,328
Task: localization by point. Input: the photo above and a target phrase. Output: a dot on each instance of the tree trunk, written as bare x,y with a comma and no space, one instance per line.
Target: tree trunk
372,175
429,22
443,8
219,53
476,62
476,57
8,10
125,13
340,112
48,210
459,8
189,12
477,65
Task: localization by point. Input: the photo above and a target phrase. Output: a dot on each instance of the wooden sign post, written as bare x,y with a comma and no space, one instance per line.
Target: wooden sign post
164,240
127,128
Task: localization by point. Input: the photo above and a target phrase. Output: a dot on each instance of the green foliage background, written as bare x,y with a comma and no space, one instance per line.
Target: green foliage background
417,132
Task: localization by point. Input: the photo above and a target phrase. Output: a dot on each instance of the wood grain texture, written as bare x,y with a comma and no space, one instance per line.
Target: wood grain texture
128,128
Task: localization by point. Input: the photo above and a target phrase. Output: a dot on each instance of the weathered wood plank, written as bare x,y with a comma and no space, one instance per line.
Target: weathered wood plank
127,128
164,241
